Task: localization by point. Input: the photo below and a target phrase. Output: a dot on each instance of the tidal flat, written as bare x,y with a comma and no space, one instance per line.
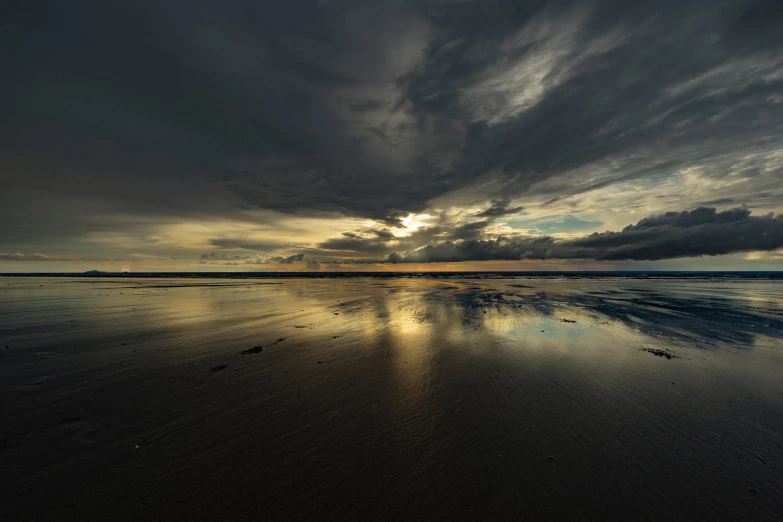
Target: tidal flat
391,399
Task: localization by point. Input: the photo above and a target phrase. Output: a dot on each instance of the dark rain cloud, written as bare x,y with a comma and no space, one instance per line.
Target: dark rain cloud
294,258
700,232
561,99
499,208
309,263
220,256
357,244
172,110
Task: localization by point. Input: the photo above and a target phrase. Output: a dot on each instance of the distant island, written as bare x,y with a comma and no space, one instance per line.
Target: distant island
95,272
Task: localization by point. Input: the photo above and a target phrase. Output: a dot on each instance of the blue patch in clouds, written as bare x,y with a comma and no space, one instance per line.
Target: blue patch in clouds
554,224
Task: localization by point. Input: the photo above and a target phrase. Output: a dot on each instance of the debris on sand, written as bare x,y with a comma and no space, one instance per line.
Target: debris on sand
551,458
661,353
258,348
568,320
218,368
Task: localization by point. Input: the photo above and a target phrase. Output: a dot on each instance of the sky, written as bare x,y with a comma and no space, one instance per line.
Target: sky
240,135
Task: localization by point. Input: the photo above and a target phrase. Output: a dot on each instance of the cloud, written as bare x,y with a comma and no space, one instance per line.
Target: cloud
557,224
384,233
282,260
439,227
556,101
232,243
25,257
286,260
358,243
220,256
498,209
310,264
775,255
376,110
700,232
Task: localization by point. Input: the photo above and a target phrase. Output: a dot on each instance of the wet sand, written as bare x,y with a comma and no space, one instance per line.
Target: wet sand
380,399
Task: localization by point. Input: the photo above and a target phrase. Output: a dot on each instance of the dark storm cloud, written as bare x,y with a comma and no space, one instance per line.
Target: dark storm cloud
700,232
356,244
498,209
631,89
470,230
219,256
228,102
384,233
371,109
253,260
394,218
759,24
285,260
279,260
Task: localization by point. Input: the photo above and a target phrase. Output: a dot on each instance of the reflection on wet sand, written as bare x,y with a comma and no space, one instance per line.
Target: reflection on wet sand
437,399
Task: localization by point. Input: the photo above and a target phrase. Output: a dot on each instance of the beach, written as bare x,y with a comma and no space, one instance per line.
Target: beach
452,398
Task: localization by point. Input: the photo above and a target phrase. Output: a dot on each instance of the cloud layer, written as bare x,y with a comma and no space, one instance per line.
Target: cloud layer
253,112
17,256
701,232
